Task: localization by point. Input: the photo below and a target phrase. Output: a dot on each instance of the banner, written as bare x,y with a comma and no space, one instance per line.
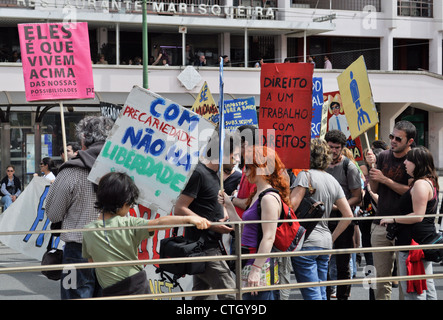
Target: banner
28,213
110,110
317,106
239,112
56,61
336,119
286,111
205,105
356,94
158,143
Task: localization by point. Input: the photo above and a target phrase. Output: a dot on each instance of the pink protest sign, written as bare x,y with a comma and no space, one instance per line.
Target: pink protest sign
56,61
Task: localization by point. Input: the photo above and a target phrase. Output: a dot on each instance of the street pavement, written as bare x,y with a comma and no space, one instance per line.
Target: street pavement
24,285
35,286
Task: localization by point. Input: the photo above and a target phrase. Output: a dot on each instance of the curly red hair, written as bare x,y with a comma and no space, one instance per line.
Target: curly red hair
267,163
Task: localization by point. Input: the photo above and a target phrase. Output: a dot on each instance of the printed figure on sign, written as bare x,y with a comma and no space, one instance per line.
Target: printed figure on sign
338,120
356,100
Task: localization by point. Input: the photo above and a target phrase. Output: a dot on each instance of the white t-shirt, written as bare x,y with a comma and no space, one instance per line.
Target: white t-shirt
328,191
50,176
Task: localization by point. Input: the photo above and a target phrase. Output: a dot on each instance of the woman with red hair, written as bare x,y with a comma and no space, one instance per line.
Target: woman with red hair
265,169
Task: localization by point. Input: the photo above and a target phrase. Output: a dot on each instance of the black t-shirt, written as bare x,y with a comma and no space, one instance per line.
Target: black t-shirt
417,231
231,182
393,168
203,186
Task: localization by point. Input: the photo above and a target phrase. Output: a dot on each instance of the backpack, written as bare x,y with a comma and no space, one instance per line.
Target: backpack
289,236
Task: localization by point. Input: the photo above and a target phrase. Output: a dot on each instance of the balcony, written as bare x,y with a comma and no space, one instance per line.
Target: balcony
418,87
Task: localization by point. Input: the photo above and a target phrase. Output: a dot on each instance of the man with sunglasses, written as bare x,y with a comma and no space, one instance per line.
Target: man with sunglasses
11,187
389,180
338,121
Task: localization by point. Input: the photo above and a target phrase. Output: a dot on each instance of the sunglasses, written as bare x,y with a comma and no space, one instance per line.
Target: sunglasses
397,139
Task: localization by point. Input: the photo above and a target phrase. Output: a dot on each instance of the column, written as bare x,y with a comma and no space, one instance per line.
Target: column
117,43
435,45
5,128
389,9
388,113
387,51
281,48
436,138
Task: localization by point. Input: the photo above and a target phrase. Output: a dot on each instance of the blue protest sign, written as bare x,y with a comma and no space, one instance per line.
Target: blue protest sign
317,105
239,112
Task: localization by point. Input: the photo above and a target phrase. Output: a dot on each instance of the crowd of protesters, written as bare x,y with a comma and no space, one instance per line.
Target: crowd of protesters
395,179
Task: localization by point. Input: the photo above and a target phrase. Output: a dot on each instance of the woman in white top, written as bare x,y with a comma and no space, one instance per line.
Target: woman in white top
47,167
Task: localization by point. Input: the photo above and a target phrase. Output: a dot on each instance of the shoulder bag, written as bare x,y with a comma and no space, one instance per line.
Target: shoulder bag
179,247
309,208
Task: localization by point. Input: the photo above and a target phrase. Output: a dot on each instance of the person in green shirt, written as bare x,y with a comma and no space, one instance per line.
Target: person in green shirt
116,194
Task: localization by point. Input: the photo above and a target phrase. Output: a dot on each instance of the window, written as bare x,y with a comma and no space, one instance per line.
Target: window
353,5
416,8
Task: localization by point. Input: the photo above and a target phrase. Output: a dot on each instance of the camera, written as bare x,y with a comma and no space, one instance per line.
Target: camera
392,230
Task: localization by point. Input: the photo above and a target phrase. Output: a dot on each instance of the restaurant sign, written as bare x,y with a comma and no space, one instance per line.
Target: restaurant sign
131,6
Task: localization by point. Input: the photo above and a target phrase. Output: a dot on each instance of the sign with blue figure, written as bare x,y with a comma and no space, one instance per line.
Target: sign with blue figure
356,94
239,112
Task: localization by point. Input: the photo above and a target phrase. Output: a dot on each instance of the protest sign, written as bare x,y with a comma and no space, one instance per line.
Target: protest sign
157,142
205,105
56,61
356,94
239,112
110,110
337,120
286,111
317,106
28,213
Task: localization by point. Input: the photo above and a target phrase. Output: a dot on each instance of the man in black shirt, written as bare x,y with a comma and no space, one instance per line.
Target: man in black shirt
390,181
200,197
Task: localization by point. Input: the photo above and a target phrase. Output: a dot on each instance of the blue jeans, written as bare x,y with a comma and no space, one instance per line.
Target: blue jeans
7,201
262,295
86,284
313,268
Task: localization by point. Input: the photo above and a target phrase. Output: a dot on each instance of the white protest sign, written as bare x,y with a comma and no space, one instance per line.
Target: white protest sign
28,213
157,142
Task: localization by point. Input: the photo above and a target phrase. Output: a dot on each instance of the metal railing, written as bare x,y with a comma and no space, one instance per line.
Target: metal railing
238,290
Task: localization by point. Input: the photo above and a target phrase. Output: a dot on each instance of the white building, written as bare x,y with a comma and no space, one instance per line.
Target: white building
401,42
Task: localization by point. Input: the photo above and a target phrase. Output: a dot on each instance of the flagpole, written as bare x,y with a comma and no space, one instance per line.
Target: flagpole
145,44
221,126
62,120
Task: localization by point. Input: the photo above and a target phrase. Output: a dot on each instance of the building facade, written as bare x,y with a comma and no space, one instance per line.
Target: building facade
400,40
